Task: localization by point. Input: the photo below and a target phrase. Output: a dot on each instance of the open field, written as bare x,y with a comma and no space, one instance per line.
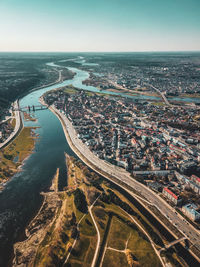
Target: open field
193,95
12,156
70,90
115,258
132,239
122,234
158,103
70,238
104,213
133,92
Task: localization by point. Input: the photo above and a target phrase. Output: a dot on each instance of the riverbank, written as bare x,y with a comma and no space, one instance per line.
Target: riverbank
17,112
134,92
71,237
25,251
20,199
61,78
185,95
15,166
15,153
120,89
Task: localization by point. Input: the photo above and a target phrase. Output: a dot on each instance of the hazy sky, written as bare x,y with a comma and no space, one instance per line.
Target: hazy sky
99,25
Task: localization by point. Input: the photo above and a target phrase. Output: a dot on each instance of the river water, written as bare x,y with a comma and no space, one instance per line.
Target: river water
21,199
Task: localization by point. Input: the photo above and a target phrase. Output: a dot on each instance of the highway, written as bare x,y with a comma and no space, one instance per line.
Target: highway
120,174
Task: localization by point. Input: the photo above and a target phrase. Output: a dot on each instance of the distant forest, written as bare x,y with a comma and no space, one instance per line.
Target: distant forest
18,75
21,72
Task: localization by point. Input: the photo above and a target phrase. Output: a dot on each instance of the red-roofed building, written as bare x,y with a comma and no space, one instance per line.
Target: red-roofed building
195,179
177,148
138,132
171,196
133,141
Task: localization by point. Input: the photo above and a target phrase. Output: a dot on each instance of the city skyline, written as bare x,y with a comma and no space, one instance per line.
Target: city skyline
98,26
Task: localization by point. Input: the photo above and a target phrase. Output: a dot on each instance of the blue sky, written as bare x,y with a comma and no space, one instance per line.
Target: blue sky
99,25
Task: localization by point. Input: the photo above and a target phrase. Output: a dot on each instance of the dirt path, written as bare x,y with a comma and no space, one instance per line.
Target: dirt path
98,234
74,243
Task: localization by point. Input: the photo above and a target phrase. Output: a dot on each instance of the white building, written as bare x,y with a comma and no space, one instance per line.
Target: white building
191,212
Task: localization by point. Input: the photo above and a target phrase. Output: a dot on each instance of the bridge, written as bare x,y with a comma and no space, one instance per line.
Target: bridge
31,108
173,243
161,93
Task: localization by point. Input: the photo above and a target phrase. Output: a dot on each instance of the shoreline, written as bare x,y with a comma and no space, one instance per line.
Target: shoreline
59,80
30,244
42,86
28,235
19,126
19,122
36,231
21,163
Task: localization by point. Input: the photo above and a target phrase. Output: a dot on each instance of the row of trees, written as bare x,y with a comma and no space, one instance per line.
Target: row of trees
80,201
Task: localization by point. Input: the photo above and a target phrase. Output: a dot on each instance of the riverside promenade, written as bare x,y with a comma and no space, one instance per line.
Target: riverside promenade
124,177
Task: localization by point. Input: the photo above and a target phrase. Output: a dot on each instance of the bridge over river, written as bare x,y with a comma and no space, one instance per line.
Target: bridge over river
31,108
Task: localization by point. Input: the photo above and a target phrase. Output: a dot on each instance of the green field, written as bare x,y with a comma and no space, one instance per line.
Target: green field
70,90
115,259
121,241
12,155
121,236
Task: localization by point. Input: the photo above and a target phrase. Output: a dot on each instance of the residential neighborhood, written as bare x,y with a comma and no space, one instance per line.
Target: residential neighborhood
158,145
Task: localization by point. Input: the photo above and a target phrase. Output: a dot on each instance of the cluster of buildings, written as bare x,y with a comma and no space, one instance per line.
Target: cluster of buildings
176,199
138,138
4,112
6,129
166,74
191,208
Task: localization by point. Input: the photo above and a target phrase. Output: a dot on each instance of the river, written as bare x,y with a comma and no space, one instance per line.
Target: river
21,199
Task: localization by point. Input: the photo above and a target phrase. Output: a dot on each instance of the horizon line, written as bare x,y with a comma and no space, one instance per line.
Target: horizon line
144,51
